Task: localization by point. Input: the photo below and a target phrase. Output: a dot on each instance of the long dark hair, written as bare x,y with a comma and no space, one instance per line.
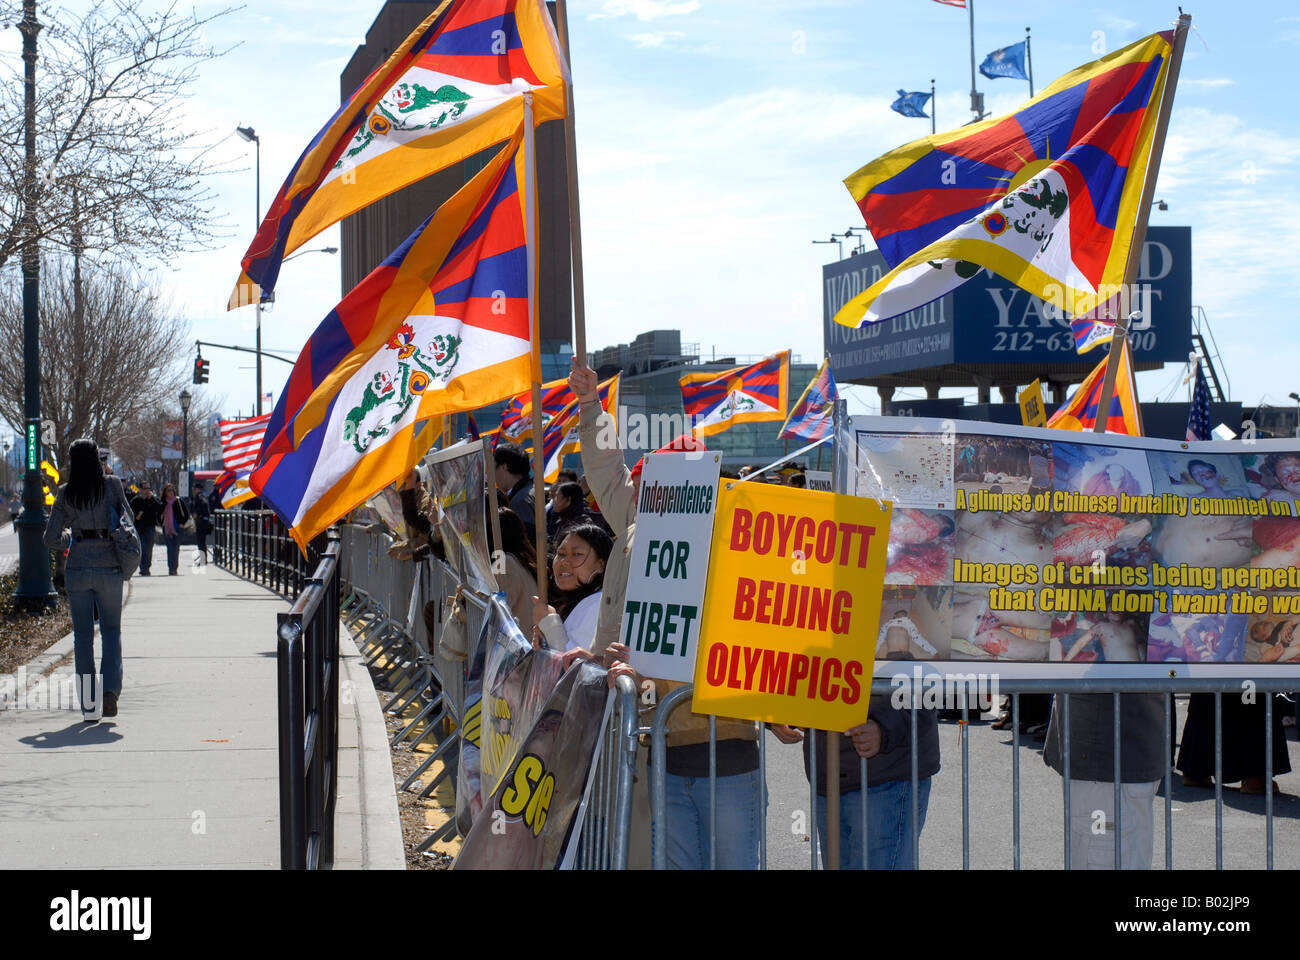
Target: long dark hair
85,475
603,545
514,539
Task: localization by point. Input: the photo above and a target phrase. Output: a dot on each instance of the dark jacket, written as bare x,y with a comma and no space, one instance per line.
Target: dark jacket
199,508
147,510
894,761
1143,749
181,513
521,502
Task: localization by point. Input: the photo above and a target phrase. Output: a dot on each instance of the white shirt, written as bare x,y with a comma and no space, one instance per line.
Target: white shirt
581,625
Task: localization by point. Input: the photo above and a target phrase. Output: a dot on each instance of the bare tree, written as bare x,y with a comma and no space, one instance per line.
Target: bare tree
120,170
113,352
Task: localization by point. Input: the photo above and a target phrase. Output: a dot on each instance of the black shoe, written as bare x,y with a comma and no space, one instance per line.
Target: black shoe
144,573
172,573
110,704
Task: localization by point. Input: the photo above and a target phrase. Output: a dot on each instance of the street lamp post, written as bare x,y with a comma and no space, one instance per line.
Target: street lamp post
185,429
4,484
34,586
249,134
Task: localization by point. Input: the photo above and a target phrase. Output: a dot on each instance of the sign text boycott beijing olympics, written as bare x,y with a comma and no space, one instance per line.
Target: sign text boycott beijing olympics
792,606
670,563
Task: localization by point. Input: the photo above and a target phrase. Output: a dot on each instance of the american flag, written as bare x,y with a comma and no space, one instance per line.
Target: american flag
241,441
1198,418
953,3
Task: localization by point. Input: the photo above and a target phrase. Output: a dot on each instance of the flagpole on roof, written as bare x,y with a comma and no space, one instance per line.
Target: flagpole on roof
1029,64
1140,225
530,228
575,209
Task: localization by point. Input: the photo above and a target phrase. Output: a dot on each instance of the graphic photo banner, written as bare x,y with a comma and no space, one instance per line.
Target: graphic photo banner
1063,554
791,606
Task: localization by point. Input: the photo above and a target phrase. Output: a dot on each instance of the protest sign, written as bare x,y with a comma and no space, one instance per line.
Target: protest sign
669,563
818,479
791,609
1052,553
531,822
456,478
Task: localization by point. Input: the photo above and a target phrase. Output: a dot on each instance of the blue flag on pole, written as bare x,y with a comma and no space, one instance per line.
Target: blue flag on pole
911,104
1007,62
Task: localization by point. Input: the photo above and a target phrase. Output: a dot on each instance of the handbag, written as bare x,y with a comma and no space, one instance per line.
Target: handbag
453,641
126,542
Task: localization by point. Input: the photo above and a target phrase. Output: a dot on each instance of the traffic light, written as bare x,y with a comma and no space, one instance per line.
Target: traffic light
201,370
50,480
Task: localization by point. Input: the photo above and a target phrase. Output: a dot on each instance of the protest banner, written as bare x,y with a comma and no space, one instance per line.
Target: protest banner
456,478
670,563
531,820
1051,553
791,609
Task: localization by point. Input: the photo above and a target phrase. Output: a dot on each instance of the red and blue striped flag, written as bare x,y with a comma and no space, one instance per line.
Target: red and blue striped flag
813,416
1198,417
1046,197
721,399
441,326
453,88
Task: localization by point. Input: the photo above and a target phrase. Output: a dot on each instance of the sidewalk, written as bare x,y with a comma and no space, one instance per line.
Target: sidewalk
186,776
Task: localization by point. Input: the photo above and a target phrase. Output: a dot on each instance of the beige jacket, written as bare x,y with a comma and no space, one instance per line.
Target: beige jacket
611,484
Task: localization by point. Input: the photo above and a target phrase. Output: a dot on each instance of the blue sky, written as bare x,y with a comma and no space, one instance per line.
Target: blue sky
713,138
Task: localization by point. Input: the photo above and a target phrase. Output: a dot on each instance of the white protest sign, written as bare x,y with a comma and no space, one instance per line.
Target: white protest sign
670,563
818,479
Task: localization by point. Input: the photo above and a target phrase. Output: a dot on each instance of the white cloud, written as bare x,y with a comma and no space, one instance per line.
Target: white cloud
1208,82
659,39
645,9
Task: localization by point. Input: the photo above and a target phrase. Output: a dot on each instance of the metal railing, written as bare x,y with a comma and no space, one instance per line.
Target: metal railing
307,657
254,544
1063,691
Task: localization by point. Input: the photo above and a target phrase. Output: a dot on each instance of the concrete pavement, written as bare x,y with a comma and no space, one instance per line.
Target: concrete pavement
186,775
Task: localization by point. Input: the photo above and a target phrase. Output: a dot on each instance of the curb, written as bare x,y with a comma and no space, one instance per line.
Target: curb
382,847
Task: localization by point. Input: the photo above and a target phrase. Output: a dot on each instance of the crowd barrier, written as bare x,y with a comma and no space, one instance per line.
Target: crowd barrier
254,544
1062,690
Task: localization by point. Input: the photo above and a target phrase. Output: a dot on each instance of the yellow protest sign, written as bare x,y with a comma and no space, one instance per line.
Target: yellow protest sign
1032,411
788,633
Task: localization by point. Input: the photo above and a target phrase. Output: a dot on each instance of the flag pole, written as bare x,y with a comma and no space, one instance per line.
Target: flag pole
530,227
932,109
979,112
575,208
1140,224
1029,64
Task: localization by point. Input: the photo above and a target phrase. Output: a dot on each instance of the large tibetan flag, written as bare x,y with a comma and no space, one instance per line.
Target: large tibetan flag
754,394
453,88
1046,197
813,415
560,435
1079,412
440,327
241,441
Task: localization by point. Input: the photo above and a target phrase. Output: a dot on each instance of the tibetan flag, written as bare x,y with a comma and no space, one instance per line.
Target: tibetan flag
813,416
241,442
754,394
517,418
440,327
560,433
1080,411
452,89
1007,62
911,104
1046,197
1198,417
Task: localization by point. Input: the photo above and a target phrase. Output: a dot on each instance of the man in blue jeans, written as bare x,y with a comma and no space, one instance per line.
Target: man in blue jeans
884,740
148,510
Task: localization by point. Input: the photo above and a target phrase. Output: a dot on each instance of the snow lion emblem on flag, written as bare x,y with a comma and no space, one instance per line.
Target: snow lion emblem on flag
407,108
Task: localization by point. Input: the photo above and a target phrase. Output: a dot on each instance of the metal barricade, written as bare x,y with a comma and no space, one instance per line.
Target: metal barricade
1063,690
307,656
254,544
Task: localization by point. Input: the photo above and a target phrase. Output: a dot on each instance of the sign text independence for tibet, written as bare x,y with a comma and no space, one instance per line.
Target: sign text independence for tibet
791,611
1062,554
669,564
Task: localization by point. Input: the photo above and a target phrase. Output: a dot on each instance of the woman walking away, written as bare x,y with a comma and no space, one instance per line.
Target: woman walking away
87,505
202,523
174,516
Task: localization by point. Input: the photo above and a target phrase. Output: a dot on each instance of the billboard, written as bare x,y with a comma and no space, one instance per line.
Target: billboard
1001,323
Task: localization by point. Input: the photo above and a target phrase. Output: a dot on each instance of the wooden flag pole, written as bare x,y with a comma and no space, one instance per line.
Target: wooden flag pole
1140,224
539,463
575,208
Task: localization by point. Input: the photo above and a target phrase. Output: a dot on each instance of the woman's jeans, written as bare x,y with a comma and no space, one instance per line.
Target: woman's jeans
889,824
173,552
87,588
